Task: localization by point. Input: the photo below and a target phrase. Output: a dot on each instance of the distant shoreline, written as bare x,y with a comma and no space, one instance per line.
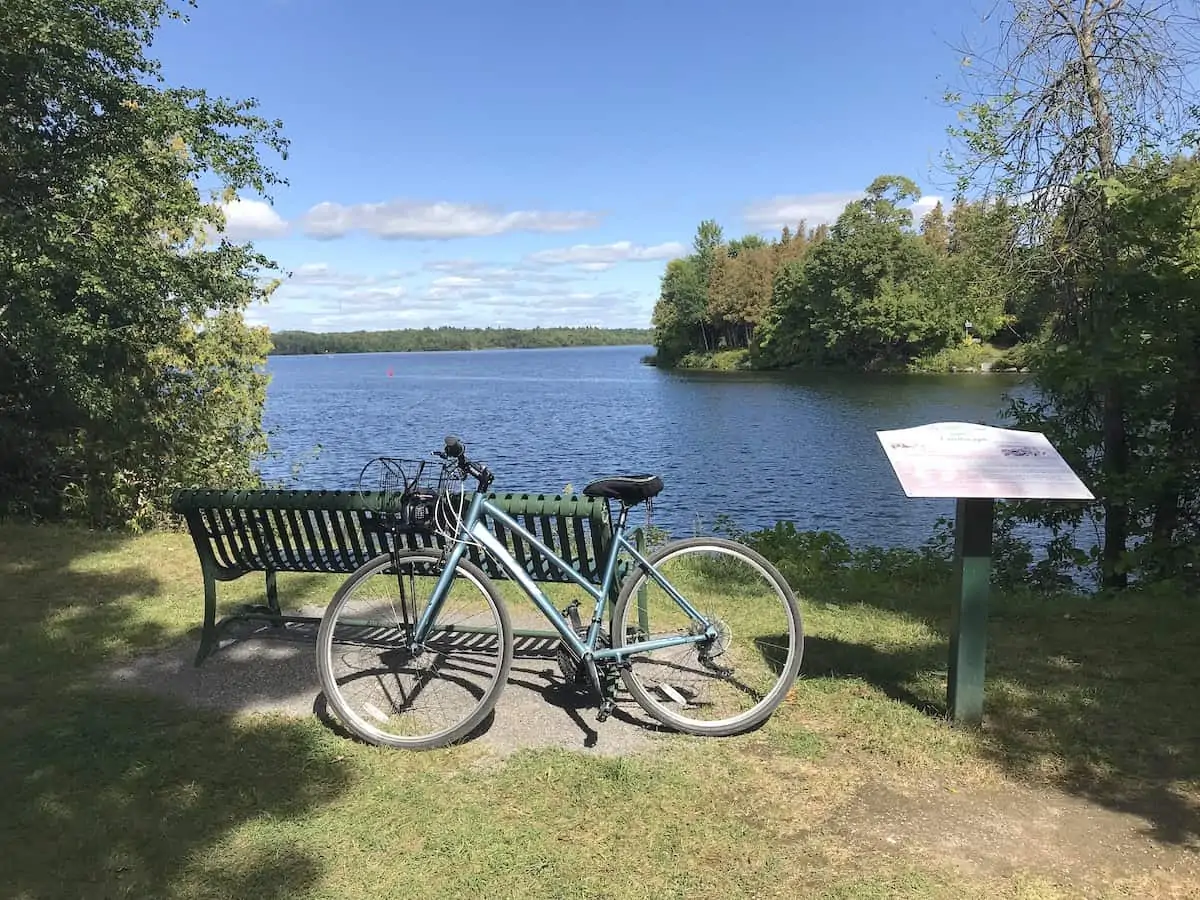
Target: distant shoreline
459,349
420,340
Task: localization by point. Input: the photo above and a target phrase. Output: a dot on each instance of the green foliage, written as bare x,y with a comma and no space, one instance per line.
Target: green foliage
809,558
814,560
876,295
1150,354
720,361
869,293
720,298
1060,119
680,317
965,356
125,364
447,338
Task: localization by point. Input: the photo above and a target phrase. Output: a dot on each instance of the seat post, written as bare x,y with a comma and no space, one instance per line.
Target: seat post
622,516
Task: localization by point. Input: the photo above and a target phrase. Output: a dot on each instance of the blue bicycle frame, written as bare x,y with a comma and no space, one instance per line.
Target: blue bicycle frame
473,527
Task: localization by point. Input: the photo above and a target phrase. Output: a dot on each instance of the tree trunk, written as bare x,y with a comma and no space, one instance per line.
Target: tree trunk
1115,437
1166,508
1116,466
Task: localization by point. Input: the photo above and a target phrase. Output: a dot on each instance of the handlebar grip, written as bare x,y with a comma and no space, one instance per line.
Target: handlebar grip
457,452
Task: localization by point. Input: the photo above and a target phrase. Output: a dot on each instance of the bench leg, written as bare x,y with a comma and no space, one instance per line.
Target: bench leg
273,599
208,636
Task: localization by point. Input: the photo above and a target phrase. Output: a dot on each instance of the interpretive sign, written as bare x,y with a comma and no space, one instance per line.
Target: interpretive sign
976,465
958,459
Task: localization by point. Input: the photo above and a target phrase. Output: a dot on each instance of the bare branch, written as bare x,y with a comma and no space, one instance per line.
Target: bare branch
1073,86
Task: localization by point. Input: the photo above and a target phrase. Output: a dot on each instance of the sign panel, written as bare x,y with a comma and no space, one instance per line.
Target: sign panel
958,459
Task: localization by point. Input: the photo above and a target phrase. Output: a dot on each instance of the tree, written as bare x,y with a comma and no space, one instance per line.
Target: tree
868,295
739,289
708,240
1155,209
1074,89
125,362
679,314
935,230
975,278
885,196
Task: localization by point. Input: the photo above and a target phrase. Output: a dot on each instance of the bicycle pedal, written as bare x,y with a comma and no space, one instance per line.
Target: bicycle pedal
606,709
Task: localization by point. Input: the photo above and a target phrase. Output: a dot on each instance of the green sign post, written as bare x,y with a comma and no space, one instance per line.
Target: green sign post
975,465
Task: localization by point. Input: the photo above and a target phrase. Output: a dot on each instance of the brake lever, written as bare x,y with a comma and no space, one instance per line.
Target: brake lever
485,476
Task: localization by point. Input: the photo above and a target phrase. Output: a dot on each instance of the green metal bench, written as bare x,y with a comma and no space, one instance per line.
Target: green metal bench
335,532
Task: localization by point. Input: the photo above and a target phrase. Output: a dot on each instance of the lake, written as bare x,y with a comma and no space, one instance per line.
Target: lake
760,447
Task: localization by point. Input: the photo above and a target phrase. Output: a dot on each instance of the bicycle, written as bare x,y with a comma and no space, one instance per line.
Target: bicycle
411,643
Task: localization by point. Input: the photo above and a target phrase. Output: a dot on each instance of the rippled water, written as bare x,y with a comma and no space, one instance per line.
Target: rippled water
756,446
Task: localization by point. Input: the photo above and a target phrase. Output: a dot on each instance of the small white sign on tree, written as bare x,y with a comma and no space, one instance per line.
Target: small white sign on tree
961,460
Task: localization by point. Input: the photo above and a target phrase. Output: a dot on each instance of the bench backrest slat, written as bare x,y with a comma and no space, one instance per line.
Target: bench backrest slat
227,543
265,549
540,525
341,537
283,530
319,517
246,548
352,525
306,525
337,531
581,546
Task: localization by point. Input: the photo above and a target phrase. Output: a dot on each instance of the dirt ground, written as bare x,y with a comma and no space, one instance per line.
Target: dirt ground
263,669
1001,830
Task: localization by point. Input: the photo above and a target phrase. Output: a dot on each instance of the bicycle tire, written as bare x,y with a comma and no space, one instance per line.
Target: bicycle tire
763,709
354,722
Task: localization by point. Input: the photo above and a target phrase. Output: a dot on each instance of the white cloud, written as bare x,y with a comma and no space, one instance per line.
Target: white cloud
410,220
923,206
321,297
816,209
375,298
323,275
369,320
453,265
790,210
249,219
456,281
316,289
495,274
598,257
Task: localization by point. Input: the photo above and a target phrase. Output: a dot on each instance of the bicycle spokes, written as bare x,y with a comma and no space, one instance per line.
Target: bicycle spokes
730,677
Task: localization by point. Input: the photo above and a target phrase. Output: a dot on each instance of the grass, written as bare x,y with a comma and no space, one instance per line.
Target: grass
716,361
966,356
856,788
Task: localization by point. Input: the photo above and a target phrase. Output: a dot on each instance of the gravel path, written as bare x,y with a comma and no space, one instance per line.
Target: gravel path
263,669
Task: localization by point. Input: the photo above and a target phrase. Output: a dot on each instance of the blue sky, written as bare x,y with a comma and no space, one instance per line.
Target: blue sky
537,163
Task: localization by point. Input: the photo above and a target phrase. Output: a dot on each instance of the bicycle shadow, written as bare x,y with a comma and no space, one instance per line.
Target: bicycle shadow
262,667
577,701
559,699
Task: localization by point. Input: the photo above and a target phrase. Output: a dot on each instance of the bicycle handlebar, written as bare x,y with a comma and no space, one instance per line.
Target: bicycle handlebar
458,453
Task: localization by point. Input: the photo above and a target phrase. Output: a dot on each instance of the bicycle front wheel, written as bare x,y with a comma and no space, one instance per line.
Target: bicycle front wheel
390,693
732,681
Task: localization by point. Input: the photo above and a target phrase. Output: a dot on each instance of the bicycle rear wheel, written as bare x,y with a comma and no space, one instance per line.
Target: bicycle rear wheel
387,692
725,685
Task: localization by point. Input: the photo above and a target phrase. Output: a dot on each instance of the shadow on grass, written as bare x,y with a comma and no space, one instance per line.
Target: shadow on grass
1094,695
892,672
1103,691
108,795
